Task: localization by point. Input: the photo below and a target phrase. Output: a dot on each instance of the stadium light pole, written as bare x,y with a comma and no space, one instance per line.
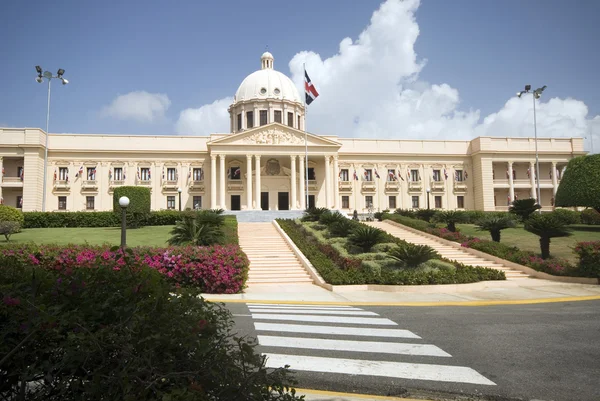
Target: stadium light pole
40,79
536,95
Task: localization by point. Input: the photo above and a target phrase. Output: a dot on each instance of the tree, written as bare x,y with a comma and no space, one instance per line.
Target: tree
524,208
450,218
495,224
546,226
580,185
191,230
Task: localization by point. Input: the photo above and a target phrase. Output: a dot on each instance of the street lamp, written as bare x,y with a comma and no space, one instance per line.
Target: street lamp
536,95
428,191
40,79
123,202
179,191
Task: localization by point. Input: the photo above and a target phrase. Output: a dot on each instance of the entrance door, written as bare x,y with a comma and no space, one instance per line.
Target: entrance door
264,200
311,201
236,202
283,200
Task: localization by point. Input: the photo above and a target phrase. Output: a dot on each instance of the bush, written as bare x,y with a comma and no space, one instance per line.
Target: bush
589,258
190,231
523,208
406,212
9,213
8,228
71,219
408,221
341,228
580,185
139,204
437,264
379,215
450,218
494,224
330,217
412,255
546,226
364,237
567,216
591,217
314,213
104,334
426,214
164,217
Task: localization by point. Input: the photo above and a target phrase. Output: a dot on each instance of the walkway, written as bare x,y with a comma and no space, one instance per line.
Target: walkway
447,251
271,259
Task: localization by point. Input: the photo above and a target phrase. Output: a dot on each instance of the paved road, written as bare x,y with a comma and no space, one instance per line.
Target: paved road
547,352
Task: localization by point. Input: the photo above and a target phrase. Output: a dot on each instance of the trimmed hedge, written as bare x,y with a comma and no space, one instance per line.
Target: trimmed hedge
139,199
9,213
580,186
590,217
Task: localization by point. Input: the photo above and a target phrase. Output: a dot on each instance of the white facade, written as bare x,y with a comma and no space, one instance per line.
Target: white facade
261,164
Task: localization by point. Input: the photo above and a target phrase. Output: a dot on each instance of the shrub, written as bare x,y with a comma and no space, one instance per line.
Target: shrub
408,221
494,224
447,234
412,255
190,231
450,218
567,216
8,228
580,185
406,212
341,228
437,264
372,268
379,215
426,214
104,334
139,204
589,258
590,216
364,237
9,213
523,208
314,213
330,217
163,217
546,226
471,216
71,219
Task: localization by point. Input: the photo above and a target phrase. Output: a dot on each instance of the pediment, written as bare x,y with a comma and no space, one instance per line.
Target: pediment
274,134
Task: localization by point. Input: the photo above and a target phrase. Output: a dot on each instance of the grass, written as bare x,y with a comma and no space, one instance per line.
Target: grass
559,247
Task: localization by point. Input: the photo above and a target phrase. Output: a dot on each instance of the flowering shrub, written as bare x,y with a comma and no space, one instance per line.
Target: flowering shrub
447,234
589,257
217,269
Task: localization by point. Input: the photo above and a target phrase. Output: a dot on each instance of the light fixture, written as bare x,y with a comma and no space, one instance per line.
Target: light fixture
60,72
38,69
39,79
65,81
123,201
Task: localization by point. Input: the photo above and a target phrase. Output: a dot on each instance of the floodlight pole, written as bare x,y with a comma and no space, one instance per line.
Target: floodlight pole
537,159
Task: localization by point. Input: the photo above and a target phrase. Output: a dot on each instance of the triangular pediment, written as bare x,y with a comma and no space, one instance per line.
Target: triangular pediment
273,134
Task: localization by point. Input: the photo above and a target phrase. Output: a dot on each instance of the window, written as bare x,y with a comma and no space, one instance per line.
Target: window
392,202
298,126
249,119
91,173
437,200
90,202
197,202
311,173
19,201
234,173
368,174
171,174
197,174
415,176
20,172
437,176
62,203
459,175
391,175
290,119
119,173
145,173
263,117
63,174
171,202
369,200
460,202
415,202
345,202
278,116
344,175
239,122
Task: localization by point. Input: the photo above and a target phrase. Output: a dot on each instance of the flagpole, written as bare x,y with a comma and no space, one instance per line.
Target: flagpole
305,139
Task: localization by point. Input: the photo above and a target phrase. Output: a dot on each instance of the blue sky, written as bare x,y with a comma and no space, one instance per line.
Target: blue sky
198,52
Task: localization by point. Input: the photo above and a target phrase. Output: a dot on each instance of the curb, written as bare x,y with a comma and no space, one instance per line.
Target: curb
350,396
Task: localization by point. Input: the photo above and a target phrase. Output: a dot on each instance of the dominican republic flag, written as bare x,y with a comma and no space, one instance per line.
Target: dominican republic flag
507,174
80,172
236,173
309,89
400,175
377,174
529,172
445,174
466,175
55,175
355,176
391,175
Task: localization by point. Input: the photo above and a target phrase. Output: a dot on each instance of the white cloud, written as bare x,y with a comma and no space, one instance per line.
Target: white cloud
371,88
139,106
210,118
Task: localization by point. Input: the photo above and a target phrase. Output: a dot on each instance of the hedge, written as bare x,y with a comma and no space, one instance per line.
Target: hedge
139,199
580,185
9,213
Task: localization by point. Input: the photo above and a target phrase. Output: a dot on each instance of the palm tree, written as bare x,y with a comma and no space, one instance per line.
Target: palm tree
191,231
412,255
365,237
524,208
494,224
546,226
450,217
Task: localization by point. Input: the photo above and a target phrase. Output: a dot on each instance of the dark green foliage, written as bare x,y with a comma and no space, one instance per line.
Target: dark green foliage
200,228
72,219
406,212
580,185
450,218
589,258
341,228
9,213
163,217
495,224
364,237
567,216
314,213
412,255
139,204
546,226
104,334
523,208
471,216
379,215
328,217
426,214
8,228
590,216
408,221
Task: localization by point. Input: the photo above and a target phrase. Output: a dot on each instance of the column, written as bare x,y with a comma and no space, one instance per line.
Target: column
511,183
257,195
293,183
336,183
302,182
213,181
554,180
327,182
248,182
2,169
532,179
222,182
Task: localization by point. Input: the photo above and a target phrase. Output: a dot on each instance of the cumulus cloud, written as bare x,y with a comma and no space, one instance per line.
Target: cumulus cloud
372,87
210,118
139,106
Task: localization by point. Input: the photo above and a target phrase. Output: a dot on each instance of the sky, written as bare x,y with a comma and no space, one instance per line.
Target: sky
430,69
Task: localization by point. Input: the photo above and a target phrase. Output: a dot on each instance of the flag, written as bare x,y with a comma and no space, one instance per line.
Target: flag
1,200
355,176
149,174
550,173
110,173
124,173
22,174
508,198
466,175
408,176
391,175
21,201
2,171
80,172
138,173
529,172
455,175
189,172
163,174
445,174
377,174
400,175
237,172
309,89
507,174
201,174
55,175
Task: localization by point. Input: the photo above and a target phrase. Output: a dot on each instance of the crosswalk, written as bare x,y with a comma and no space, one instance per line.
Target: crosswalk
299,336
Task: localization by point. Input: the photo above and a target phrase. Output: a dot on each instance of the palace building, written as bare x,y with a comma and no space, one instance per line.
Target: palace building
260,164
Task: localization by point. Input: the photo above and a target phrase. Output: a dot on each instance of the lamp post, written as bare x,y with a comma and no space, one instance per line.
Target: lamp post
428,191
179,192
536,95
123,202
40,79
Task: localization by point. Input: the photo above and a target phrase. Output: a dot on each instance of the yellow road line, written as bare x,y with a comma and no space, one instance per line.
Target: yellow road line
441,303
357,395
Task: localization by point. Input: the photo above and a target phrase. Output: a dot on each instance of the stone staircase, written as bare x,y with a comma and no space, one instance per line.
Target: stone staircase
447,251
271,259
245,216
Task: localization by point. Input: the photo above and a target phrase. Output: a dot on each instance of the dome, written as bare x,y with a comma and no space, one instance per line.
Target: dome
267,83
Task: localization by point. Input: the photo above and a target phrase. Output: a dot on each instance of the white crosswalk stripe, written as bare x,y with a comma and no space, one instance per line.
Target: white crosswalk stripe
341,331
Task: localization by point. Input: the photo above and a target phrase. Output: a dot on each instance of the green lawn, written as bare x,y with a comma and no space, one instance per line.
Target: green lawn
559,247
